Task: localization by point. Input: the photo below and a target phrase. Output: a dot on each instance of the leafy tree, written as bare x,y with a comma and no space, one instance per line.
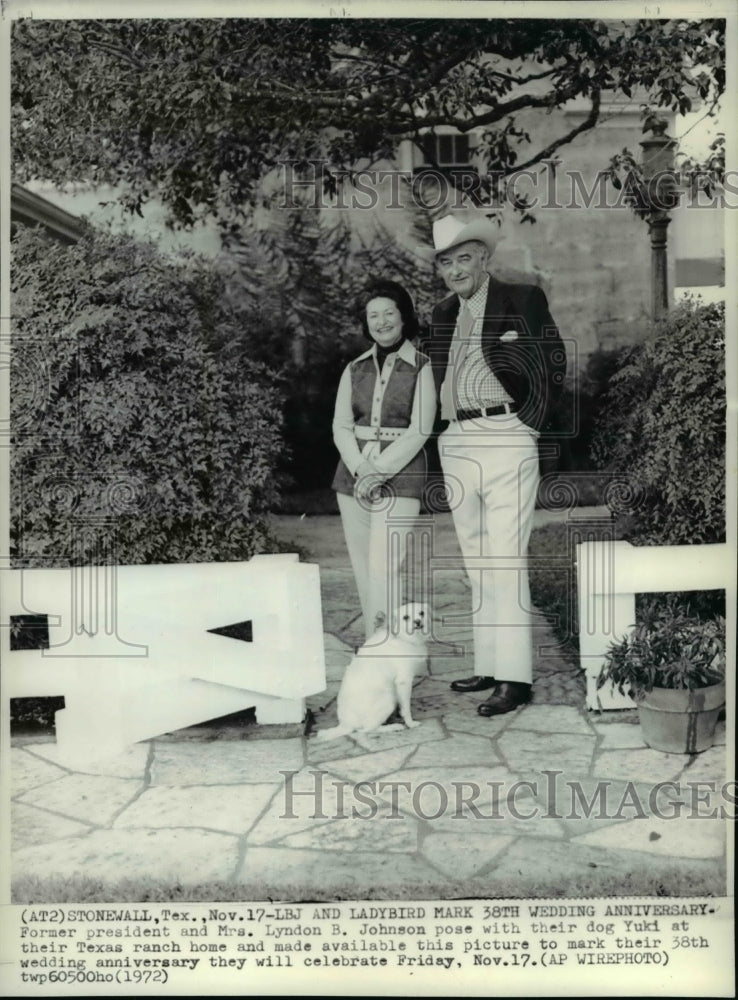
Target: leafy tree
200,111
135,408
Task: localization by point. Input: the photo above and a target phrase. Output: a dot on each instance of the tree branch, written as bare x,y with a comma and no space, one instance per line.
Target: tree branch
589,122
500,111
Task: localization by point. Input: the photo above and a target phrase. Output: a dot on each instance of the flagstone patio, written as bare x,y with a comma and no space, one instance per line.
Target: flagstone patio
461,805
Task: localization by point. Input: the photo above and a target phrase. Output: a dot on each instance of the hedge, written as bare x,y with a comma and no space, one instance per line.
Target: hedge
142,431
663,429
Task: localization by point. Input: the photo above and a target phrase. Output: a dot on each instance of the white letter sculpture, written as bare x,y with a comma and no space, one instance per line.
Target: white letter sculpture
138,651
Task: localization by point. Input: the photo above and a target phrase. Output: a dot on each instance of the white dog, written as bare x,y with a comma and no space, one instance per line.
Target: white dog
379,678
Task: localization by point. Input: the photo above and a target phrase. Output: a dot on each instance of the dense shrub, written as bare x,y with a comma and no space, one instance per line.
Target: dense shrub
141,431
553,575
664,427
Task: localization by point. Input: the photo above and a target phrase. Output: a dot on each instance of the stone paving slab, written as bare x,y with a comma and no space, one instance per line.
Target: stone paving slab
710,765
426,732
434,685
31,826
89,798
446,790
369,766
638,765
332,644
28,771
311,798
682,837
324,702
480,850
214,807
225,763
532,751
348,875
429,702
335,667
130,764
510,814
320,753
584,805
467,721
619,736
550,719
374,829
176,856
458,748
532,860
445,667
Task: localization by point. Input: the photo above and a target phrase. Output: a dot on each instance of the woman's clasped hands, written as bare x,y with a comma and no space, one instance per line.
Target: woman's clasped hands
368,481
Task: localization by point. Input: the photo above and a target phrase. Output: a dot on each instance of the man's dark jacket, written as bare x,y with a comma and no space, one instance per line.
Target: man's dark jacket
531,368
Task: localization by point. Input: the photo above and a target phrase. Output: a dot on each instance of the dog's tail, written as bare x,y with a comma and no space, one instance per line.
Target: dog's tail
334,733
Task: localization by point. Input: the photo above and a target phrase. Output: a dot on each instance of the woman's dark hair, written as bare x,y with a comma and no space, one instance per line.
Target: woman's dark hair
383,288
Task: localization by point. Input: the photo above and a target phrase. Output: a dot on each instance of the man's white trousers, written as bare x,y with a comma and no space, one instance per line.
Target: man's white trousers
490,467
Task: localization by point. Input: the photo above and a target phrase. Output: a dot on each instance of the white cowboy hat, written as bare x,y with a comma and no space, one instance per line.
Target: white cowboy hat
450,231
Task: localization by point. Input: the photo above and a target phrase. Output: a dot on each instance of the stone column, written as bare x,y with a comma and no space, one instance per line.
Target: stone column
657,225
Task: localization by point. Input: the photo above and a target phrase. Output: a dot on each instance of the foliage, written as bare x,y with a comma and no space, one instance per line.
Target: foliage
141,434
553,581
668,648
200,111
577,411
664,428
34,713
552,588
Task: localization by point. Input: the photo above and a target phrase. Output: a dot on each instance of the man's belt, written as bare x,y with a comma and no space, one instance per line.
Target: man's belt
488,411
378,433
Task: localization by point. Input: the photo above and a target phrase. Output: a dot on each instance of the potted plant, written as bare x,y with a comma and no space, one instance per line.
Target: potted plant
673,665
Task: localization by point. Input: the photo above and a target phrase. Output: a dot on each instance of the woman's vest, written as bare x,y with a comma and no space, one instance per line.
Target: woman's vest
395,412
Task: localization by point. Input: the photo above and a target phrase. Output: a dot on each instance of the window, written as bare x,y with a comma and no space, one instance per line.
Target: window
450,155
448,151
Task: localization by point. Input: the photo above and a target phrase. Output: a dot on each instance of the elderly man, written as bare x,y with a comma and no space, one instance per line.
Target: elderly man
498,363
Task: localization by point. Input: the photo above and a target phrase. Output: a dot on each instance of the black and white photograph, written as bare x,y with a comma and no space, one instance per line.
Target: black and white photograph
369,537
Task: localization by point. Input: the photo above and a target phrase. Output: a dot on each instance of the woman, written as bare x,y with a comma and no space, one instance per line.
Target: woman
385,408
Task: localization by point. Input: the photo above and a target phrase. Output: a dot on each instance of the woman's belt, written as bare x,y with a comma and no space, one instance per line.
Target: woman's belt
378,433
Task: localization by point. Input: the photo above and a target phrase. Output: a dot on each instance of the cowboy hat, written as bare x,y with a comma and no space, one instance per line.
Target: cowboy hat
450,231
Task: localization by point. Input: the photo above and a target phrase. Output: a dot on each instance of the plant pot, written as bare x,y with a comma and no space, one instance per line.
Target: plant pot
680,721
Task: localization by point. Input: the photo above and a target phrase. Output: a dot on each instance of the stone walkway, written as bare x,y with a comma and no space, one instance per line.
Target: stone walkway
460,806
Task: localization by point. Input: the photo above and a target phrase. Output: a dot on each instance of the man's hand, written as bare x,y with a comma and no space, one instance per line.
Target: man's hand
368,481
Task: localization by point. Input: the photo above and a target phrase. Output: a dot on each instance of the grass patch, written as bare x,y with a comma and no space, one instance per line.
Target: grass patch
652,877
